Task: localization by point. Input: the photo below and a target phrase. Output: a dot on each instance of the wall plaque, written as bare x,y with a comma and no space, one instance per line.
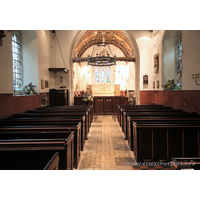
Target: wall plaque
42,83
157,84
145,79
46,84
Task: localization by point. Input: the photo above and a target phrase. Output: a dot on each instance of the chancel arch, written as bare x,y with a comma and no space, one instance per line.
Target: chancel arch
127,69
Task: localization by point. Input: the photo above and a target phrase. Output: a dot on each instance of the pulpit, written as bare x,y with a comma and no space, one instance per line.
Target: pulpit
58,97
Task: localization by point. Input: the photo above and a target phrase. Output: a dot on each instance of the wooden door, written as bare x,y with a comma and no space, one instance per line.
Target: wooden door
108,105
53,97
100,104
61,98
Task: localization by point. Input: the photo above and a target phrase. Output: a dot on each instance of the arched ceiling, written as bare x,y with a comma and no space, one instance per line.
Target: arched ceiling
114,37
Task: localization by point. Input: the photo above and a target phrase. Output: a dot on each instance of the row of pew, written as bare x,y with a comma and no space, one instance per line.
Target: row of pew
50,137
156,132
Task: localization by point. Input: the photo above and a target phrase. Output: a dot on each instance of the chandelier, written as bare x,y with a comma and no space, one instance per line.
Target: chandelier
101,55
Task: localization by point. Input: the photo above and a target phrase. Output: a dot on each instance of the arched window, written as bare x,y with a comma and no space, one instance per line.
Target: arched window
17,61
102,75
179,59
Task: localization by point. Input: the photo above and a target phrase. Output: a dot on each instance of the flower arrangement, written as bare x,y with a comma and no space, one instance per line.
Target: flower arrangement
29,89
170,85
87,96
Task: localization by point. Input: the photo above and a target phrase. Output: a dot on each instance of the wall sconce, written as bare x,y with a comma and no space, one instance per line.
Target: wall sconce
195,77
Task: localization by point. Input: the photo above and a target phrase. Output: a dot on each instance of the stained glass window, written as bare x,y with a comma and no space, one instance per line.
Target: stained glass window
108,75
102,75
179,59
97,75
17,60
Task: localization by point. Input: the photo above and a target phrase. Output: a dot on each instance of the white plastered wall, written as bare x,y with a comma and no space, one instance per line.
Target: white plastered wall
190,59
30,58
30,61
144,42
6,75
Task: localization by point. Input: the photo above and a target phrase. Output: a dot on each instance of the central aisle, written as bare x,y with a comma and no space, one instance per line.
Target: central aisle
106,148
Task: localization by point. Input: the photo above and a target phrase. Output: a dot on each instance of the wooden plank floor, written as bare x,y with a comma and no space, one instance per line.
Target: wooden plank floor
106,148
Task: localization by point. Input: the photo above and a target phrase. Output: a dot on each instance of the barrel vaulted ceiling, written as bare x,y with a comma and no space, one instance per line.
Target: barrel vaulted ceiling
114,37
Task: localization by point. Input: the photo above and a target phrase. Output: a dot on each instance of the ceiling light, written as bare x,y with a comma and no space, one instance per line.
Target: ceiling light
101,54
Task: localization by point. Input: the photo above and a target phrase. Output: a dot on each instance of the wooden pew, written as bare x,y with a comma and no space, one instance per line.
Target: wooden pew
122,107
42,146
152,112
58,114
52,119
127,112
29,160
143,108
153,142
67,115
158,120
44,121
44,132
87,113
134,106
86,107
191,163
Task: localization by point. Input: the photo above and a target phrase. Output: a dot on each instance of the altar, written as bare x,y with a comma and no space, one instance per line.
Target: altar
102,90
104,104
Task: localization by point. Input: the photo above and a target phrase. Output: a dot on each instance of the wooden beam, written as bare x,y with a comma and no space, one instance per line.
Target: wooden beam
127,59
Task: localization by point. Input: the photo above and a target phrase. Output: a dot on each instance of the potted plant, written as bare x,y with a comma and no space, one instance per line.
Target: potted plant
29,89
170,85
87,96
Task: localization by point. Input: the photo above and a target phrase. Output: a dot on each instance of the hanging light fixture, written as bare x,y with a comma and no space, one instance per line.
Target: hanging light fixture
101,53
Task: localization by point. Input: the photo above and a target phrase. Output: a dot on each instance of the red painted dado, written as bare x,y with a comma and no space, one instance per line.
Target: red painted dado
184,99
145,97
10,104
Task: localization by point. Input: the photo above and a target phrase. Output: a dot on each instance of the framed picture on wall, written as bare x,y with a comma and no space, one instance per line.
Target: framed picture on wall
145,79
42,83
157,83
153,84
46,84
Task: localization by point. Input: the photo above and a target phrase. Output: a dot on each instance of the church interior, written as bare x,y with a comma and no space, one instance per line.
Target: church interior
117,102
145,62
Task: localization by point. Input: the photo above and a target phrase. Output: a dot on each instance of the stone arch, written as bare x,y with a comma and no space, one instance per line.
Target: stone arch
135,48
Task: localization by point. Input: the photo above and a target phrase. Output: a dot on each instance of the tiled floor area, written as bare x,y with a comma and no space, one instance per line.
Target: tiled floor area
106,148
